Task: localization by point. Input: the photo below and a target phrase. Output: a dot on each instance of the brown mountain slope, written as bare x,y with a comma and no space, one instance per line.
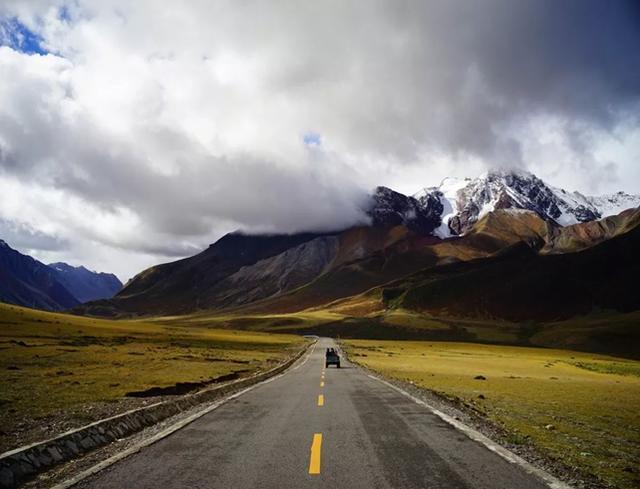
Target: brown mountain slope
520,284
506,227
581,236
240,269
291,273
190,284
401,253
500,234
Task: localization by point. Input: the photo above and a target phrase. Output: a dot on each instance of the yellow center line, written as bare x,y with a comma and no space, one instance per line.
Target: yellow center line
320,400
322,383
316,448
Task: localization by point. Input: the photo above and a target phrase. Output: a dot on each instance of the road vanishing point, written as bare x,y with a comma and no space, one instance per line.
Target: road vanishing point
317,427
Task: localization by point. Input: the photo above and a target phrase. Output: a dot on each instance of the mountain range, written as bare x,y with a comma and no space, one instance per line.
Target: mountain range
27,282
456,204
418,253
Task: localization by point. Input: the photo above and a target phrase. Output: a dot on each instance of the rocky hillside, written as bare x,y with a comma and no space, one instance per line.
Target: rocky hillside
391,208
460,220
496,234
581,236
202,281
465,201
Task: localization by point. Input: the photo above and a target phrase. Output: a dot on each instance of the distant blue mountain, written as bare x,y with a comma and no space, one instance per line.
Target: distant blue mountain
27,282
86,285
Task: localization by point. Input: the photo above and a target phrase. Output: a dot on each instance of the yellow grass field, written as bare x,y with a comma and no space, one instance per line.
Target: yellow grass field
258,322
583,409
54,363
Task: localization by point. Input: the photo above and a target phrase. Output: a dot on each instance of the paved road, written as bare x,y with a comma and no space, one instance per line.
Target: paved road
365,435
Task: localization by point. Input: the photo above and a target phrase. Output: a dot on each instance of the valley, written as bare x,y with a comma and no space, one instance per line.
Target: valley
340,244
509,300
606,332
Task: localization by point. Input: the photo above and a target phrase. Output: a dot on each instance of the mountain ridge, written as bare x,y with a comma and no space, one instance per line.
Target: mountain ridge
464,201
86,285
499,233
458,221
28,282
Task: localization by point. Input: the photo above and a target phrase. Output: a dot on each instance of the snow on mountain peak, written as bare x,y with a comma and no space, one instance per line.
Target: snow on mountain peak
614,203
495,173
457,203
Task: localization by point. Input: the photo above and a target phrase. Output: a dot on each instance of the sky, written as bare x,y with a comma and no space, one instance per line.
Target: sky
134,133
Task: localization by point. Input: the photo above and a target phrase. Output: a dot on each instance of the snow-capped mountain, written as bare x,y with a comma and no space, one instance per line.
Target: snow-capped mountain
392,208
611,204
453,207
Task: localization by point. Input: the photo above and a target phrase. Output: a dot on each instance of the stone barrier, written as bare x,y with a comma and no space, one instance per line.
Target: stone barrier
21,464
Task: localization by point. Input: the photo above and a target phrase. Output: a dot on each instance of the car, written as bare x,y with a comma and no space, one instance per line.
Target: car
332,358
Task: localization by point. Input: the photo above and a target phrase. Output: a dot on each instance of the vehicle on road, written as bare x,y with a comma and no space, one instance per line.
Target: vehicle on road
332,358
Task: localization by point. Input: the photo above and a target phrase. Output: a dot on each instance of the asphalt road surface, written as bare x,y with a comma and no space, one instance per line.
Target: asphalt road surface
317,427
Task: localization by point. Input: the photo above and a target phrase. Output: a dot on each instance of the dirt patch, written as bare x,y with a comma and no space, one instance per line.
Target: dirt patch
182,388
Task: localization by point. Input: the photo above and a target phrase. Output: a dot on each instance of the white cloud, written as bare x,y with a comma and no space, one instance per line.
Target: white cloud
148,131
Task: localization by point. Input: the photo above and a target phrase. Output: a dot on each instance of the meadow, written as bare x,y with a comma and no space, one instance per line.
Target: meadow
582,409
297,322
60,371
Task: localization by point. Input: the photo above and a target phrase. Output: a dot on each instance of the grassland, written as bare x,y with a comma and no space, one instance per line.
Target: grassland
298,322
60,370
363,317
580,408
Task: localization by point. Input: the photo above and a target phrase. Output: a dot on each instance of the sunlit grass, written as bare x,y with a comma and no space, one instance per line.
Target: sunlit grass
51,362
592,402
254,322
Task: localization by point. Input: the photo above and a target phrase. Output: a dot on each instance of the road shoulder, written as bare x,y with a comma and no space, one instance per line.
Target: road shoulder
70,473
493,436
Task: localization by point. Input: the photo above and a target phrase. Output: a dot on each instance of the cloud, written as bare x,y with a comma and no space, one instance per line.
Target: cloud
16,35
24,237
154,131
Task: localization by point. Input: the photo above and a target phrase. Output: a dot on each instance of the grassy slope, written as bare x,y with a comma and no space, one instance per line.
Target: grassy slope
297,323
607,332
592,401
55,362
364,317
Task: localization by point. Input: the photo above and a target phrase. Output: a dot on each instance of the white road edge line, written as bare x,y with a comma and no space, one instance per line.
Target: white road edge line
509,456
171,429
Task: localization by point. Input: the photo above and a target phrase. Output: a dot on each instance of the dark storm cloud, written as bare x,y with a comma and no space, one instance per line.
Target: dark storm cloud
23,238
455,75
197,123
